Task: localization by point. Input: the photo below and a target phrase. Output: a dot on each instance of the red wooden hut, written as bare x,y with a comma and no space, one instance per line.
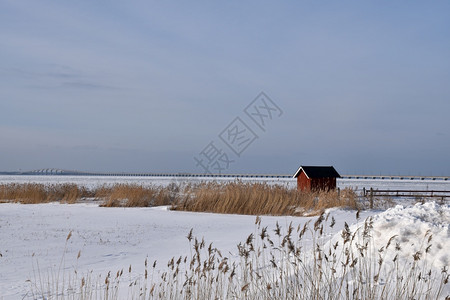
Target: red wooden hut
314,178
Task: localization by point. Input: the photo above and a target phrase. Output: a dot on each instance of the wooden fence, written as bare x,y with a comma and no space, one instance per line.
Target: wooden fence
417,194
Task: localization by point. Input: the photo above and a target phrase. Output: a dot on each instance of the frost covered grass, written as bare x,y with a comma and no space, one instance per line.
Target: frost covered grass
372,259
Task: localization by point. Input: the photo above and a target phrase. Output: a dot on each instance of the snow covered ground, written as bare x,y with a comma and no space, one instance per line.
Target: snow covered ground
111,239
414,228
33,237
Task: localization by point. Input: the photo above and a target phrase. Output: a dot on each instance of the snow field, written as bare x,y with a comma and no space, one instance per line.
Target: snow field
33,237
112,239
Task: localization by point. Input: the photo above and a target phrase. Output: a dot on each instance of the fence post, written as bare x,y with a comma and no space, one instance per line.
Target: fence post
371,198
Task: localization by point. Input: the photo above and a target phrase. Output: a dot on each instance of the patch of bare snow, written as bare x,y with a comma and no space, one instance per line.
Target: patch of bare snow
413,226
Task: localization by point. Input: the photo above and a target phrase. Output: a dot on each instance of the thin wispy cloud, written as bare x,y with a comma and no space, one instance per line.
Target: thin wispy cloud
87,85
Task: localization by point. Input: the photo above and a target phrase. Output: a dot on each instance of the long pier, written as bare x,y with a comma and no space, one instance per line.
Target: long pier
395,177
231,175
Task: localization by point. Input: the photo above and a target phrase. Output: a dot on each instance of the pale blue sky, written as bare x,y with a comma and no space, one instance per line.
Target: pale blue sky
145,86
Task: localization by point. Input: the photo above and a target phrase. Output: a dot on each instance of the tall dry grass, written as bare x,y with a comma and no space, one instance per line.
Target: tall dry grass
116,195
33,193
232,198
260,199
126,195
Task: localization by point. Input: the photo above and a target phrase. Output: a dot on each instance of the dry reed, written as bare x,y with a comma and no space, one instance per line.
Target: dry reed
126,195
232,198
261,199
116,195
33,193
